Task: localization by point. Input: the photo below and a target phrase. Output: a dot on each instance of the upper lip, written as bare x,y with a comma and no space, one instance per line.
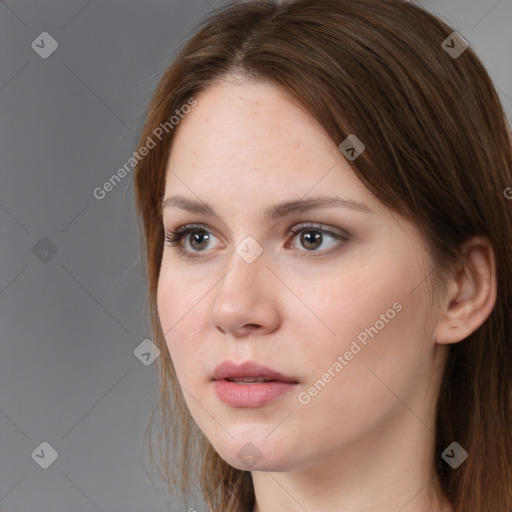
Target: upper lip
250,369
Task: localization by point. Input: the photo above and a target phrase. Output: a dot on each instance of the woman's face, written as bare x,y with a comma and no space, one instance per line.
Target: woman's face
340,308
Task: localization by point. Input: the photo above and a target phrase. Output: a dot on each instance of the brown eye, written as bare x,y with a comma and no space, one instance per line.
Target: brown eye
195,236
193,239
201,238
311,239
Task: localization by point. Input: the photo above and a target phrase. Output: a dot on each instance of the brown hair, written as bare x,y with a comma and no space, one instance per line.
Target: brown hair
438,152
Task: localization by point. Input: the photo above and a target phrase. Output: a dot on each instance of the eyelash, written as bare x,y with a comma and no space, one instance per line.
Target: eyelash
173,237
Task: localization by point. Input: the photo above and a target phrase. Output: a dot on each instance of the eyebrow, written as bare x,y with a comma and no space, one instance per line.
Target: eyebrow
275,212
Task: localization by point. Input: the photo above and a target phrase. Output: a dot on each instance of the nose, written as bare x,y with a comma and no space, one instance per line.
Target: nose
246,299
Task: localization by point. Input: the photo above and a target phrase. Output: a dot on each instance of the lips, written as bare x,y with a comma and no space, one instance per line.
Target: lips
248,372
250,385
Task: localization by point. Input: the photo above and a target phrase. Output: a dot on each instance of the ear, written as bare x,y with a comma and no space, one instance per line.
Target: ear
471,293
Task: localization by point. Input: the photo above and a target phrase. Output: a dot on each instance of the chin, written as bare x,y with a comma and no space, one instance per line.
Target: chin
260,455
267,463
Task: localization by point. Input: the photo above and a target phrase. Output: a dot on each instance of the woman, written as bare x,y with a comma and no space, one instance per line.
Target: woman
328,248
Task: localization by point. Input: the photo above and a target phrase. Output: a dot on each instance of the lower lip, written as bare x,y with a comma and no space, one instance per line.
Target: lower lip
250,395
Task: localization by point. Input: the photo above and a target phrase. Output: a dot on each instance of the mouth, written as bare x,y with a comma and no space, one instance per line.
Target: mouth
249,373
249,380
250,384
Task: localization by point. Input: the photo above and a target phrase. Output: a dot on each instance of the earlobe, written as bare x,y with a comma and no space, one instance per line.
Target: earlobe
471,293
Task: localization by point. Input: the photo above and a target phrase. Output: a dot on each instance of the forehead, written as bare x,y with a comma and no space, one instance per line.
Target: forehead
252,141
240,121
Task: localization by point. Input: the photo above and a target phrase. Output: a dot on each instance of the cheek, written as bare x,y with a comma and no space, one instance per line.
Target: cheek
377,321
351,300
374,314
176,310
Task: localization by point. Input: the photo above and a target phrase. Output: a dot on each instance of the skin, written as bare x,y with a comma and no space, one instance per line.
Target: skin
365,441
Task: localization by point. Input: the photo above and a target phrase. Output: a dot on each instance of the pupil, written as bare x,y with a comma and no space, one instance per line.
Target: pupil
203,236
311,239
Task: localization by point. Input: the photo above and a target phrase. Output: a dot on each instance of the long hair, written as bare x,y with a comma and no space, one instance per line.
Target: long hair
438,152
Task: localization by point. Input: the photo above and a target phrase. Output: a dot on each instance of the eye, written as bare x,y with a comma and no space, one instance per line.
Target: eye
198,241
312,236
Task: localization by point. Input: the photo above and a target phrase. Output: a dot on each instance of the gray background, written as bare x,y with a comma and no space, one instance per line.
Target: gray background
71,321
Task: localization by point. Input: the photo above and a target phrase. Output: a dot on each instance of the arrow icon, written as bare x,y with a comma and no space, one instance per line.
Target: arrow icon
44,45
351,147
249,252
44,455
454,45
454,455
146,352
249,454
44,250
